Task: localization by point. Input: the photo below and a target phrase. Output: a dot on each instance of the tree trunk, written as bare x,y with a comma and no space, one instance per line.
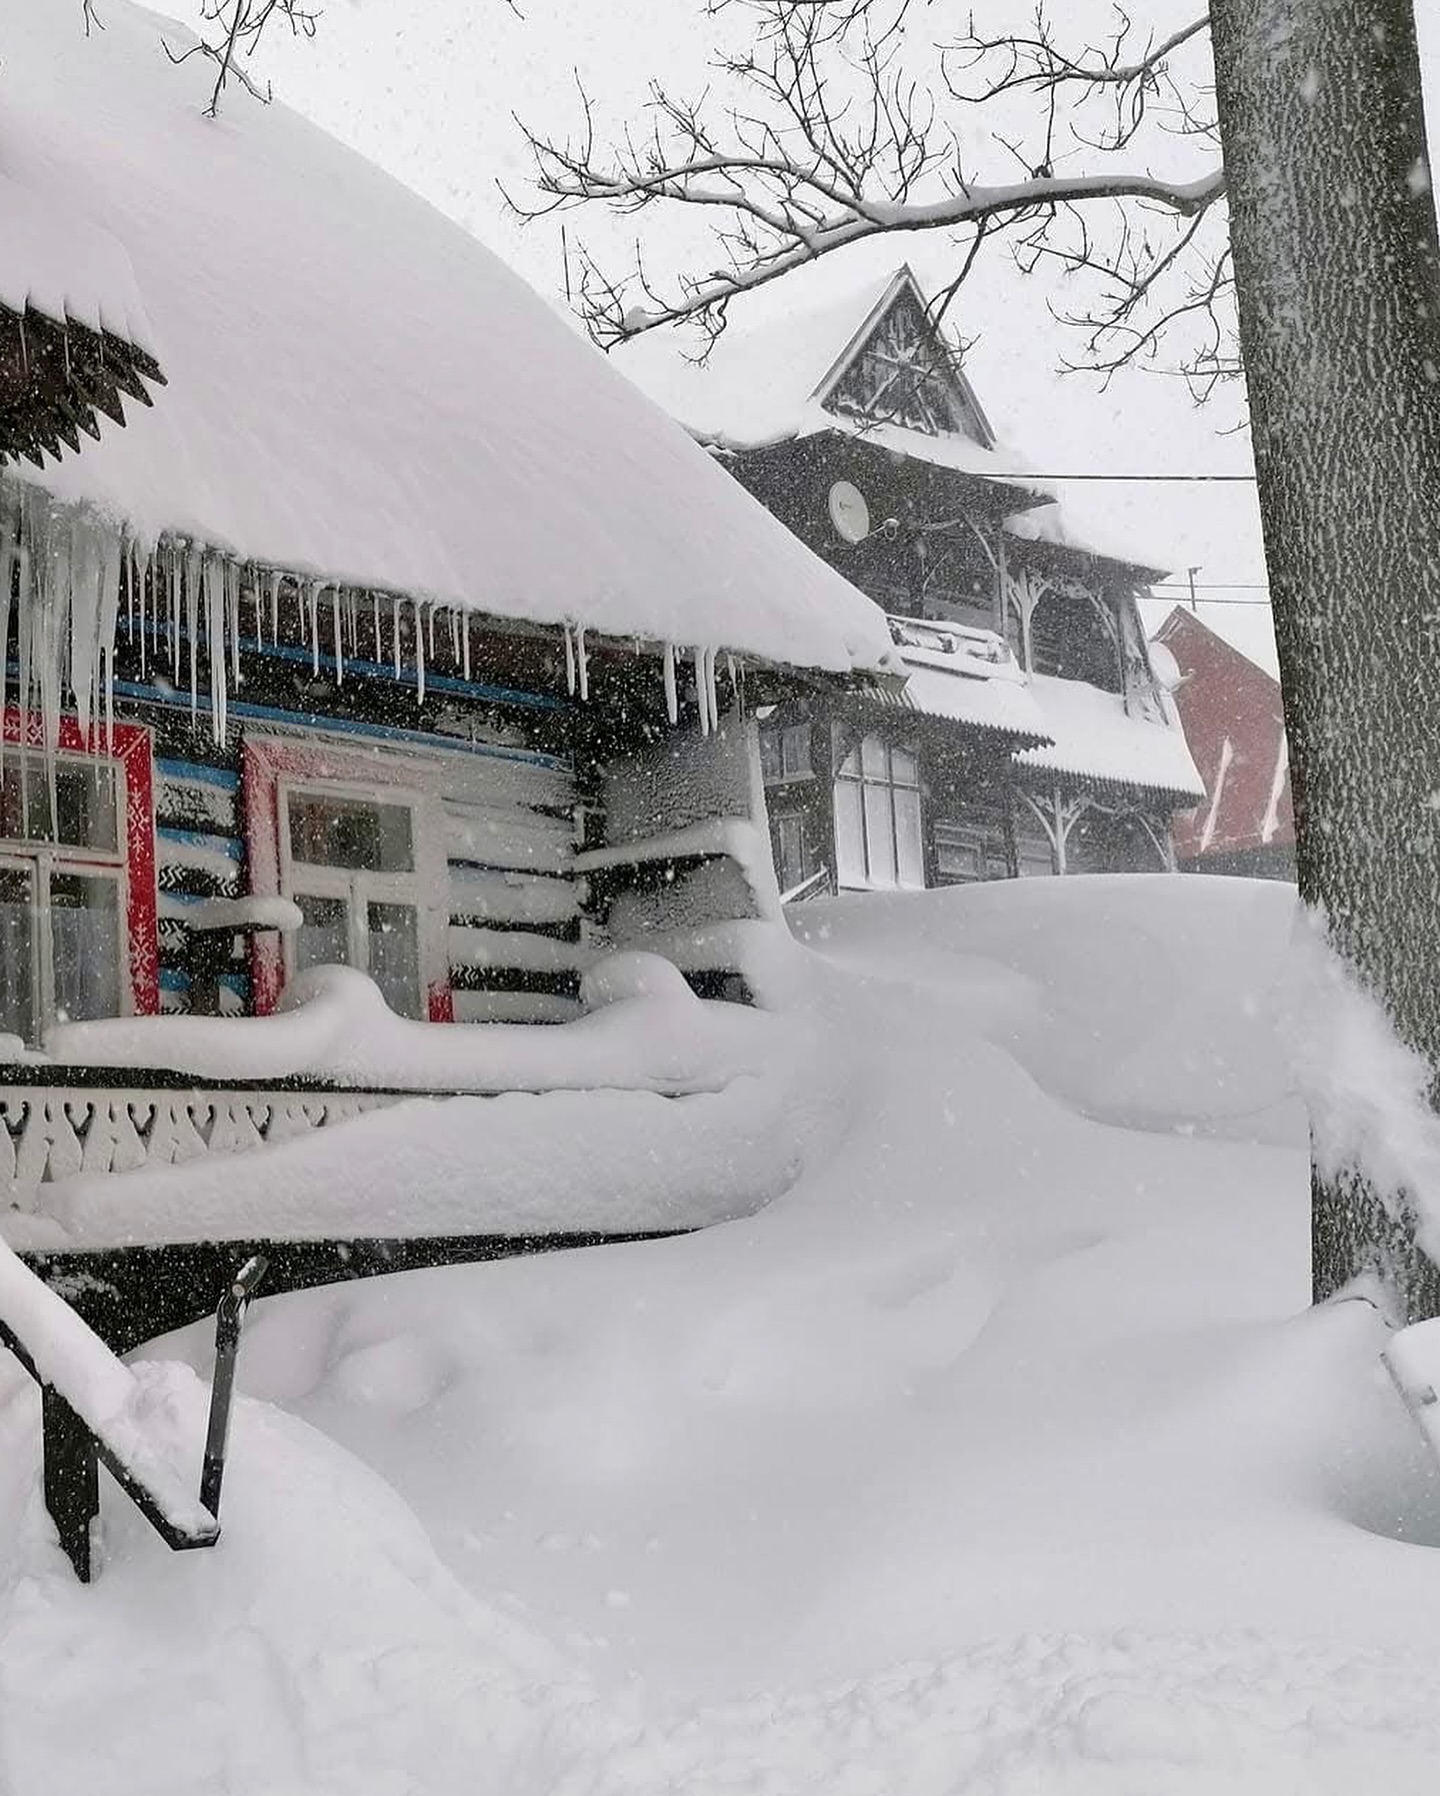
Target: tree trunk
1338,275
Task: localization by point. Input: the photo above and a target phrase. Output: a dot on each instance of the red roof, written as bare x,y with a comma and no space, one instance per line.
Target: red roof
1235,726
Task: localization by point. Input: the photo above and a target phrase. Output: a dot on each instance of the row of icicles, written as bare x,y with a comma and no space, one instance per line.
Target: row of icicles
71,575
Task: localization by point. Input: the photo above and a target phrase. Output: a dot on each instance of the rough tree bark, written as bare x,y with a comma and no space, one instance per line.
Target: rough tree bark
1337,262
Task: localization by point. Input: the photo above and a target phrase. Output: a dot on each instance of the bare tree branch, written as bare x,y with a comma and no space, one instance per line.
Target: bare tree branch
843,120
237,28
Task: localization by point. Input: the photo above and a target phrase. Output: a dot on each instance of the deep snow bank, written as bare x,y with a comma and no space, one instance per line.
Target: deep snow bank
1001,1453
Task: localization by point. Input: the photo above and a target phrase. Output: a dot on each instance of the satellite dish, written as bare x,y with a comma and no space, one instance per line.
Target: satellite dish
848,512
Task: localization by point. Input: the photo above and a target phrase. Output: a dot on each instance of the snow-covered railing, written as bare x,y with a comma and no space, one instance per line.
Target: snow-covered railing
59,1128
130,1092
92,1409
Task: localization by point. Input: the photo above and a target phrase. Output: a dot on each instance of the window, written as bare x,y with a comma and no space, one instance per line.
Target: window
878,841
349,863
792,867
356,837
785,753
64,878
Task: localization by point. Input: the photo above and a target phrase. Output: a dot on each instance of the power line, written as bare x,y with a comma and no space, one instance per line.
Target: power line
1213,585
1138,479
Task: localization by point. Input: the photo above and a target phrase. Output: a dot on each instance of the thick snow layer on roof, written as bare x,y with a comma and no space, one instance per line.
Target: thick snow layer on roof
65,266
358,389
758,382
1093,737
1051,524
967,675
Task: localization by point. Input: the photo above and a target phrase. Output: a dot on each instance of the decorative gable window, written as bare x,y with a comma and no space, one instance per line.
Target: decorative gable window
878,840
77,879
903,374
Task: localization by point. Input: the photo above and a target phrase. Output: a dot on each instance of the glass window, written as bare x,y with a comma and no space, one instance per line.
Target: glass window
394,943
352,871
879,840
18,941
323,939
328,830
785,753
85,938
71,802
62,891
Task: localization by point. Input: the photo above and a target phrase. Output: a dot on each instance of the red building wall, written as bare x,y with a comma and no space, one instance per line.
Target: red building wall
1235,726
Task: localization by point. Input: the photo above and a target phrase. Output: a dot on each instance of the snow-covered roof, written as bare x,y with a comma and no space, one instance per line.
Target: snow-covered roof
1048,525
762,379
358,389
1094,738
968,676
63,265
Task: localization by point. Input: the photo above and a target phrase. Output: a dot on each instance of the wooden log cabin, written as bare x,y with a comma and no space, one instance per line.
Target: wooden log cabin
400,633
1032,736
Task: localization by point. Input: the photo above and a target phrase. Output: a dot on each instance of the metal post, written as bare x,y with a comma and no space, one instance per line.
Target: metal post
229,1314
72,1477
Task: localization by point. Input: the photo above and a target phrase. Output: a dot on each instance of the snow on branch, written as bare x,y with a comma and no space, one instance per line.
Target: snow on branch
233,28
834,121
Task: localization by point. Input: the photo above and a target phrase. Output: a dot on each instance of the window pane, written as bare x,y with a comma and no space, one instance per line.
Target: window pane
873,758
329,831
17,943
851,764
323,939
849,834
795,747
903,769
879,836
907,836
791,834
85,943
395,956
82,814
771,755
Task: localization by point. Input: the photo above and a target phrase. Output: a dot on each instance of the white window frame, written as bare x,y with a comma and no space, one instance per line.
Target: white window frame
865,782
43,859
359,887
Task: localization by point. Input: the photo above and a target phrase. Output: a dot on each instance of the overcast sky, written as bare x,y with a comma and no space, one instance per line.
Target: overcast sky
427,88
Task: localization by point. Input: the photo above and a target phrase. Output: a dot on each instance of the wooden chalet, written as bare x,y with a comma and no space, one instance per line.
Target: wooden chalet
1032,736
1234,721
400,633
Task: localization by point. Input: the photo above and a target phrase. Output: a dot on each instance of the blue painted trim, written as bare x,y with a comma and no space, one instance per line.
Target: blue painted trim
175,979
379,670
344,726
230,846
199,773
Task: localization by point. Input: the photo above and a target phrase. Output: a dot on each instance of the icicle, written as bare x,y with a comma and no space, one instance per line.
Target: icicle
700,696
172,581
465,644
194,563
312,622
215,583
275,606
395,633
375,619
454,636
420,651
257,605
339,637
672,699
582,657
232,617
569,662
430,622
